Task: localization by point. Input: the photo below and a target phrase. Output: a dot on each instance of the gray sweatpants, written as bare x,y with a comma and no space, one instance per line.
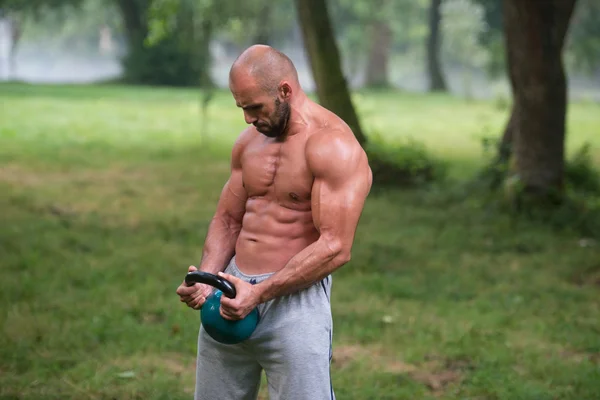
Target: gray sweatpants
292,343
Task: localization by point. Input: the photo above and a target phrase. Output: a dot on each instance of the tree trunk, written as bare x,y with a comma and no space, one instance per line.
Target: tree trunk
16,32
437,83
134,13
379,54
498,169
534,35
324,58
263,29
505,146
206,80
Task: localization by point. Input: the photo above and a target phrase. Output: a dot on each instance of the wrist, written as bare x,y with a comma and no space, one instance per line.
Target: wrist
261,292
211,268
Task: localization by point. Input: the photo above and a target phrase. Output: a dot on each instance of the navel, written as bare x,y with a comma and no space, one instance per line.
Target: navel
294,196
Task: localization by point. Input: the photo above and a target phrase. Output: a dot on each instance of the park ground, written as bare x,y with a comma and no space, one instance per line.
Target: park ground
105,197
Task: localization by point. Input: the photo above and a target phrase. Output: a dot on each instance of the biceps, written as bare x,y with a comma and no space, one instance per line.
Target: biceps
337,208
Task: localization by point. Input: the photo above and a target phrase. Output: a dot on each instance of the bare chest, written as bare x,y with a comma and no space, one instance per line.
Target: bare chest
278,172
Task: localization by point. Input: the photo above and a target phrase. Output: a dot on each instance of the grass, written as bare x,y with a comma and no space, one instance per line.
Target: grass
106,193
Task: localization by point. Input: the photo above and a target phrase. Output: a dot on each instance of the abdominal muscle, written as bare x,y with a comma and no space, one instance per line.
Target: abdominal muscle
272,234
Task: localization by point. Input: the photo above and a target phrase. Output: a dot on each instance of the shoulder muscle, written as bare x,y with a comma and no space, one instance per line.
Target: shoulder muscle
335,155
238,148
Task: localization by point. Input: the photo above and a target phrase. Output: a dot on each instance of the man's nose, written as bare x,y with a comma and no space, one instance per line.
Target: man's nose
250,119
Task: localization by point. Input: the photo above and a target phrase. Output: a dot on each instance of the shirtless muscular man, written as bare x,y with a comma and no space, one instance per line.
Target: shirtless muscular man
285,221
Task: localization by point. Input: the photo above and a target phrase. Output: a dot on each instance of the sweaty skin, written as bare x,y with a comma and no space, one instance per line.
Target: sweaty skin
294,197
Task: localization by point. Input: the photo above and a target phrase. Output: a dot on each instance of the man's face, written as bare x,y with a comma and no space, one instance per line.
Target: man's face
265,111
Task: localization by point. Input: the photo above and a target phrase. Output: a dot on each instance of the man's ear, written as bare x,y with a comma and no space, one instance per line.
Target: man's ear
285,90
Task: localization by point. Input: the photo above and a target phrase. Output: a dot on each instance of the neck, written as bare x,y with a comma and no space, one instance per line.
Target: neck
297,120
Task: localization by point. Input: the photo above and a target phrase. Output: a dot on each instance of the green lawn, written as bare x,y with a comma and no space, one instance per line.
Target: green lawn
105,197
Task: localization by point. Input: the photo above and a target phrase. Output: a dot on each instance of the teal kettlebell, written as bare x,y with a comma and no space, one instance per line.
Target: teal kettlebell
220,329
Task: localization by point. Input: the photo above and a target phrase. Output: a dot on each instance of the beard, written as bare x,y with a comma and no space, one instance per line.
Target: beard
277,122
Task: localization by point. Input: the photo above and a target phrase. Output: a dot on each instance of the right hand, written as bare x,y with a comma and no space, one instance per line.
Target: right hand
194,296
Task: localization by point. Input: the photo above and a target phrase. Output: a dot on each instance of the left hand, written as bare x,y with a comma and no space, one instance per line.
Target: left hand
246,299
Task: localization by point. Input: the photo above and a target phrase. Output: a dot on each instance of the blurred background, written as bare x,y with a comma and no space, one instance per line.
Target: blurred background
475,272
381,44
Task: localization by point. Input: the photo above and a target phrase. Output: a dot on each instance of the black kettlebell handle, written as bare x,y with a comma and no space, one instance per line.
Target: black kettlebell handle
213,280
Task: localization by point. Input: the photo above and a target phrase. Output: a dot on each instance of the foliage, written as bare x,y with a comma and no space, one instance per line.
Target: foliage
350,18
582,48
492,37
578,208
462,23
74,29
258,22
28,13
164,63
35,6
402,163
574,210
172,51
227,21
184,17
580,173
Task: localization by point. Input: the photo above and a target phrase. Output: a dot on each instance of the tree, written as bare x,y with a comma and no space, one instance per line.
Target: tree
324,58
16,13
14,29
35,5
263,23
243,24
462,22
135,21
168,41
492,38
434,42
534,35
583,41
191,25
370,32
380,42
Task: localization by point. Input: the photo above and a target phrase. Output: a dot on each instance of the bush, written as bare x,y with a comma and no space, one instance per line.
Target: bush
579,213
163,63
580,174
577,208
402,163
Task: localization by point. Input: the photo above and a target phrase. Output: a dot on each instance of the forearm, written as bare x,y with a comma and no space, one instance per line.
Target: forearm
306,268
219,245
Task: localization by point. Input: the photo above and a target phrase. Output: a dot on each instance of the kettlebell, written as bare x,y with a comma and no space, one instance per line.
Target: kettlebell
220,329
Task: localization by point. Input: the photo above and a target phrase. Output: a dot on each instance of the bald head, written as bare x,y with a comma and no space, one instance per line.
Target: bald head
266,65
